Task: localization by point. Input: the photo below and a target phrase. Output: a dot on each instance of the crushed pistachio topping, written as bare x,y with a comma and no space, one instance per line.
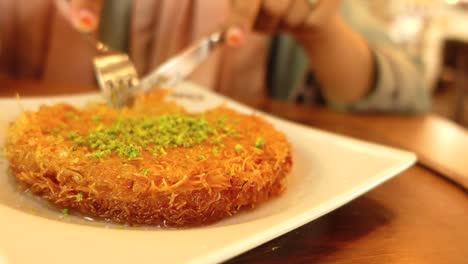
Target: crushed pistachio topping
79,197
129,151
55,130
65,212
79,141
96,118
238,148
222,120
72,116
215,150
218,139
145,172
259,142
72,135
130,137
99,154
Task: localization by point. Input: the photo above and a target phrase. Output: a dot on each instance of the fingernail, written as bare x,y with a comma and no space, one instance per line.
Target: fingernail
85,20
235,37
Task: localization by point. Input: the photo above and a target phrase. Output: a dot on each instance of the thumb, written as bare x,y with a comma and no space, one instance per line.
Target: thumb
241,20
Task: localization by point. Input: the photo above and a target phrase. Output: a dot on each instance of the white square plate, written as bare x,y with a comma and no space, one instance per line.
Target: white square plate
328,171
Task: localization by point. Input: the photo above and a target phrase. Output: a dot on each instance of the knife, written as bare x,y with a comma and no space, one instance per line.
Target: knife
179,67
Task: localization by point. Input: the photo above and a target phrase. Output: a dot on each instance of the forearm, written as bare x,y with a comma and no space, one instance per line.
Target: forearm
341,61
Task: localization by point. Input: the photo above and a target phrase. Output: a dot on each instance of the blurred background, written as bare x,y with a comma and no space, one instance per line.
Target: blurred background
435,32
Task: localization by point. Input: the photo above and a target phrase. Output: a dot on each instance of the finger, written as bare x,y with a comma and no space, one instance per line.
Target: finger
83,14
270,15
323,10
241,20
244,13
63,7
297,13
277,8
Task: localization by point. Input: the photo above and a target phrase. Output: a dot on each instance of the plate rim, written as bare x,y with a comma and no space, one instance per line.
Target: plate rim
405,160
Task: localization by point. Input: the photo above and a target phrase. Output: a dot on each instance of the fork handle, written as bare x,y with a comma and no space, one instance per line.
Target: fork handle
97,44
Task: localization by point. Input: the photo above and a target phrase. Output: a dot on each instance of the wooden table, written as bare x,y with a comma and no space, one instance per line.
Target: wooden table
421,216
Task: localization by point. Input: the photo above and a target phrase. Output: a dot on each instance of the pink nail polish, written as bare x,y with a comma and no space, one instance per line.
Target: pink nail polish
235,37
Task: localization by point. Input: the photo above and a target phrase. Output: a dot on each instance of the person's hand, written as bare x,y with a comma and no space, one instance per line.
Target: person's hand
342,60
269,16
82,14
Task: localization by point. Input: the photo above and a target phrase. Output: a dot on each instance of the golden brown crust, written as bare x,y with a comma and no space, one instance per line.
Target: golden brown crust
177,189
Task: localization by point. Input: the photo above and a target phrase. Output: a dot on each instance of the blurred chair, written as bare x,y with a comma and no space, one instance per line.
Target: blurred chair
456,57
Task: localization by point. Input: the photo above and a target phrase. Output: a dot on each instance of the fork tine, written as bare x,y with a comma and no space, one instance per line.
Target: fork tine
116,77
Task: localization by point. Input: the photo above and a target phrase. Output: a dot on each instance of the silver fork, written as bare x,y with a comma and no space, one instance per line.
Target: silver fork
115,73
117,76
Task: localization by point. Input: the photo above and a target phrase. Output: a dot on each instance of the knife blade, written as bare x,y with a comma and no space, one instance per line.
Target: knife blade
179,67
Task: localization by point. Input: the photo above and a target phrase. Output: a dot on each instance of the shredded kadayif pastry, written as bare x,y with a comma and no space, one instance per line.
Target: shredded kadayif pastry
151,164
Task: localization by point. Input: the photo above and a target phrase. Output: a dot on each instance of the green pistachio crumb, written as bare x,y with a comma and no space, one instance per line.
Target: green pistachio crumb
163,151
130,151
79,197
201,157
238,148
100,154
79,141
215,150
218,139
72,135
65,212
55,130
159,151
259,142
222,120
72,116
96,118
145,172
229,130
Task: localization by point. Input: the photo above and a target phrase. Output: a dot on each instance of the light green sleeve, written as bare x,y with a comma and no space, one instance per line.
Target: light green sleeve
398,88
399,85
